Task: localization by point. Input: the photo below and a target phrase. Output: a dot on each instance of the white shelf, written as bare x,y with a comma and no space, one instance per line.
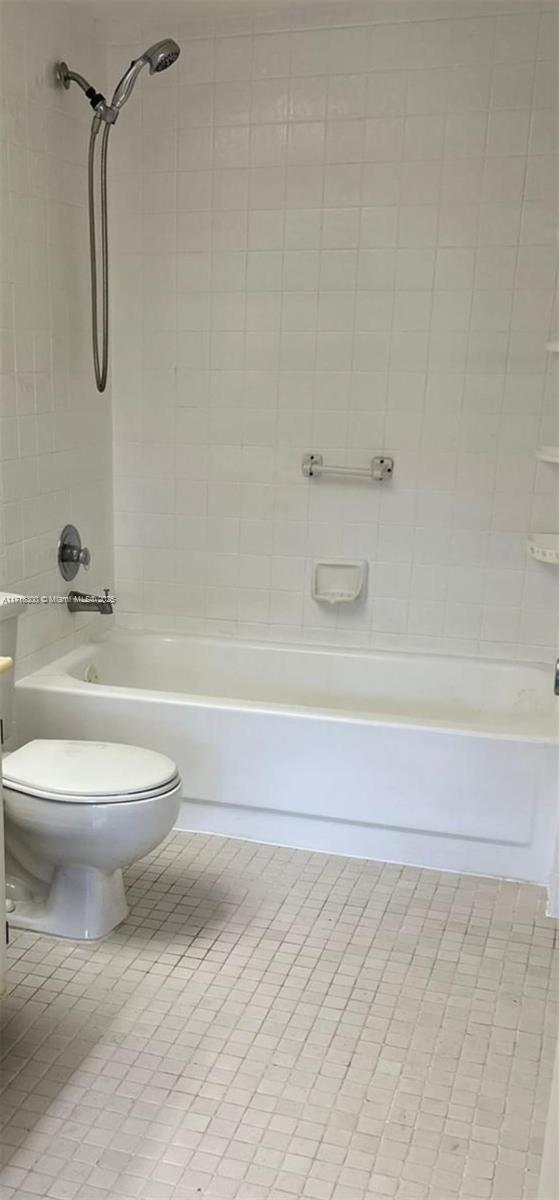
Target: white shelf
549,454
544,547
552,347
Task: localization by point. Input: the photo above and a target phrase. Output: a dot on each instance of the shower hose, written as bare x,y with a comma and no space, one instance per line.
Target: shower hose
100,346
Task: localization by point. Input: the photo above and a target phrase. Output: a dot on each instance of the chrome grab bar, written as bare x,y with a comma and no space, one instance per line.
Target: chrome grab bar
380,468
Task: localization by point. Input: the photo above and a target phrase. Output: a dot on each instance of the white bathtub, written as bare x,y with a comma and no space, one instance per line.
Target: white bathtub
445,763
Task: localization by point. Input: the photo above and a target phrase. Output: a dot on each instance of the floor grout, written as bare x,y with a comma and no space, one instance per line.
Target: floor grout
272,1023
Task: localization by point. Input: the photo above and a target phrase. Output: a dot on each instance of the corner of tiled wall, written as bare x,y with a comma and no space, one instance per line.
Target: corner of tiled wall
55,429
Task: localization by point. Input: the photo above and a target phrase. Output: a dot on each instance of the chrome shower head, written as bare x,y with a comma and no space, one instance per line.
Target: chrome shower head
157,58
162,55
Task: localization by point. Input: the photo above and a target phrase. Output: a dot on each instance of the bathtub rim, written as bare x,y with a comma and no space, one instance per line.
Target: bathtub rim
54,677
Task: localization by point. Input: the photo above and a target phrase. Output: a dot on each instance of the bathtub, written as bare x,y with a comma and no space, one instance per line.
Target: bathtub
432,761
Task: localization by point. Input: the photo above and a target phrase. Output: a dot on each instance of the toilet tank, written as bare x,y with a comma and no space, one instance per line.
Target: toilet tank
11,608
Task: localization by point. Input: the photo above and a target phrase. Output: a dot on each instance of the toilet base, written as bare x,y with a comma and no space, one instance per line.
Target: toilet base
81,903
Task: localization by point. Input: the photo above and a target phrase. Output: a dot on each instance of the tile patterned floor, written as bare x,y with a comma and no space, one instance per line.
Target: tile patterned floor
271,1024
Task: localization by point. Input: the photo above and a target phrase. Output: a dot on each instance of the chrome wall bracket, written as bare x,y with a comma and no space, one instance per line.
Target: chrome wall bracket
71,554
381,468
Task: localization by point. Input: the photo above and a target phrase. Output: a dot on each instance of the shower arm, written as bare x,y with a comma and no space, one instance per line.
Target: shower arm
102,110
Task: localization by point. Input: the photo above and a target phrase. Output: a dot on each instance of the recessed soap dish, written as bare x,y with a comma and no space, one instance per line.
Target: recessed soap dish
339,581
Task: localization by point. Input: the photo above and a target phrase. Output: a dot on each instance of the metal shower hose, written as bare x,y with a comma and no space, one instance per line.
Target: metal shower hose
100,356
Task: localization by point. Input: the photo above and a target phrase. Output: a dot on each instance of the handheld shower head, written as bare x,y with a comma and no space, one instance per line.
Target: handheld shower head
162,55
157,58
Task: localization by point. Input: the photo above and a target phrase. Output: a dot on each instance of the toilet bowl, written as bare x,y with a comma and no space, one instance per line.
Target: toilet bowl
76,814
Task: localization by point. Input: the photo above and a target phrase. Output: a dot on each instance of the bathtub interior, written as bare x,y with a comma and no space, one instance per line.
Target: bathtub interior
497,696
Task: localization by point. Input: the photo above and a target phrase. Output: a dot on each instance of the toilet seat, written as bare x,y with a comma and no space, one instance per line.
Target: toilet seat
89,772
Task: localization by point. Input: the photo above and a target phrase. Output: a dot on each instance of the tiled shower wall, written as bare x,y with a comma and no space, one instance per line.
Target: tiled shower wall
55,430
334,230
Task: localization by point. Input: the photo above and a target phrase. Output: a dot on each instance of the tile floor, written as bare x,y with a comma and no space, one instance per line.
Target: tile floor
271,1024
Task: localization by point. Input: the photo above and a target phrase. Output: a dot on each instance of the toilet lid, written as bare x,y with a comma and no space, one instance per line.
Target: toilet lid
82,771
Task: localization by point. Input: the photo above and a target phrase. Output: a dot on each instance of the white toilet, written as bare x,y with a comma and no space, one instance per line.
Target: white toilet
76,813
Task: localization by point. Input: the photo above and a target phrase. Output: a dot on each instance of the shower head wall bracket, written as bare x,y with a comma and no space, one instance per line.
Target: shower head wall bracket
65,77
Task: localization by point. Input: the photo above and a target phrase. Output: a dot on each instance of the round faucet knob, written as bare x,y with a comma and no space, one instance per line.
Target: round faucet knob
71,554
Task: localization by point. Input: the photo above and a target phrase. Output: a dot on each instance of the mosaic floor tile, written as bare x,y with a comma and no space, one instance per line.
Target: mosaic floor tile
271,1024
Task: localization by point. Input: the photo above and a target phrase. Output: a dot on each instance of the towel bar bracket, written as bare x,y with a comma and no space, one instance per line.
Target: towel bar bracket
381,468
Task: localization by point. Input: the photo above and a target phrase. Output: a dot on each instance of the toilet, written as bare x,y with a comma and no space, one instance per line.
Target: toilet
76,813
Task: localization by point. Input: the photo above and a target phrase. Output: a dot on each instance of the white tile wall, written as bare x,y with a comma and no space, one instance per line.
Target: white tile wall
335,230
55,430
